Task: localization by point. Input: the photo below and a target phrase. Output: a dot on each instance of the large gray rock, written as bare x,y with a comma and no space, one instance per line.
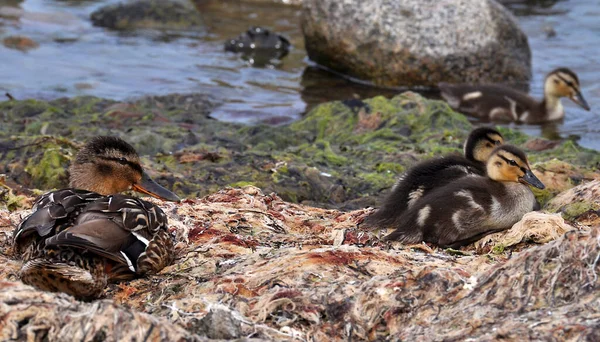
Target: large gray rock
416,42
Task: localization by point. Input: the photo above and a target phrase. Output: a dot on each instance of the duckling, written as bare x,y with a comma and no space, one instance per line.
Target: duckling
495,102
471,207
434,173
79,239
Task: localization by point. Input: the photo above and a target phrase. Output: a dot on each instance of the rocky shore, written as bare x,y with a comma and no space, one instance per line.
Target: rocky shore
270,245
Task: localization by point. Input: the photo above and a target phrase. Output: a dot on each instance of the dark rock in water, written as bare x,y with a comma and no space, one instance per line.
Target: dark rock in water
155,14
416,42
259,46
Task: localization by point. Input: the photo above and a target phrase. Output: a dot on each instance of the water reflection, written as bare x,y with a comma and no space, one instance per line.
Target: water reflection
75,58
533,7
320,86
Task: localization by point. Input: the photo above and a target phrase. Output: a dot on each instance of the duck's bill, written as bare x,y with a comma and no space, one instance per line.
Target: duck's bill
531,179
578,98
149,187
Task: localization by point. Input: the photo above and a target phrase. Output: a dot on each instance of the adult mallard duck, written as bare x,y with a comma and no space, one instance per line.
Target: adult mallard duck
434,173
472,207
78,239
495,102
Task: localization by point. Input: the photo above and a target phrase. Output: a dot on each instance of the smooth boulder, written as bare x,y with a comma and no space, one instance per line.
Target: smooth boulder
148,14
416,42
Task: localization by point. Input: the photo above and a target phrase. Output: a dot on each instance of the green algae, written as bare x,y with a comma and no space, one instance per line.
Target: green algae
573,210
498,249
341,154
8,200
544,196
390,168
48,168
241,184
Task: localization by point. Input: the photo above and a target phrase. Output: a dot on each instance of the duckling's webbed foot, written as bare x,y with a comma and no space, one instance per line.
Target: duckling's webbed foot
405,235
471,239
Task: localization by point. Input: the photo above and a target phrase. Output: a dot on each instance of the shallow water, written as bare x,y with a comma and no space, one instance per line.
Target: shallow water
76,58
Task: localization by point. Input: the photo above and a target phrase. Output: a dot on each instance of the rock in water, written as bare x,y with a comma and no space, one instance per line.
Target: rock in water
148,14
417,42
259,46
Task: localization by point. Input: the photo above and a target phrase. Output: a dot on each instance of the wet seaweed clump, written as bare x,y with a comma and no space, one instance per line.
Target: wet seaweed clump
259,46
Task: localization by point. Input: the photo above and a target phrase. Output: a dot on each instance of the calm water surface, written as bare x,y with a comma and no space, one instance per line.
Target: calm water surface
76,58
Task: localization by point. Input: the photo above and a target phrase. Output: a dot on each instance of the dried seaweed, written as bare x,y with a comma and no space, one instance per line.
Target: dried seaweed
250,265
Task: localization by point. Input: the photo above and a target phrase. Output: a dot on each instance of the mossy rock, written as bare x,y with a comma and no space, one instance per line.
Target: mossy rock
343,154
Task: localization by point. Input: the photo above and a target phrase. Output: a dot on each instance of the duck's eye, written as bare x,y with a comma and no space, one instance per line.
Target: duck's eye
122,160
556,81
513,163
498,142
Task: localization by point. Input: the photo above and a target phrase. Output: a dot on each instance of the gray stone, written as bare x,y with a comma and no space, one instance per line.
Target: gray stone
220,323
416,42
154,14
285,2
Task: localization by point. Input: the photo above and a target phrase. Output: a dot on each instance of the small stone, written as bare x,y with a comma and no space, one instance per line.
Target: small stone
219,323
66,37
83,86
21,43
550,32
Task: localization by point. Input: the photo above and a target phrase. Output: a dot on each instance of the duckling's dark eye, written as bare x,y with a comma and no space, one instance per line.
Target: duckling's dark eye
556,81
513,163
498,142
122,160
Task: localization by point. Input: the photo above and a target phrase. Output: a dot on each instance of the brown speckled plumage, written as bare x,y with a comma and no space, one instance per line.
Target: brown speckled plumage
76,240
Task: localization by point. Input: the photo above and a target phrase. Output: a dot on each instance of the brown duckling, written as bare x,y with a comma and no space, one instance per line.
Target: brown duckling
471,207
434,173
78,239
500,103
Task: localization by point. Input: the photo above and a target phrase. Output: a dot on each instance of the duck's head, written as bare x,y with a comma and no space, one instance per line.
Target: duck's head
481,142
109,165
563,82
508,163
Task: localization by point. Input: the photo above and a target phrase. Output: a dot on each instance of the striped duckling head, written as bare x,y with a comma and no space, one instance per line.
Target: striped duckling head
481,142
563,82
508,163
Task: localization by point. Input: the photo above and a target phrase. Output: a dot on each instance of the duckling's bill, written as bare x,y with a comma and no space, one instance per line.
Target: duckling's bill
149,187
531,179
580,100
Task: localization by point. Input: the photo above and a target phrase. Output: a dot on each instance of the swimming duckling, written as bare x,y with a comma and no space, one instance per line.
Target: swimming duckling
434,173
76,240
471,207
495,102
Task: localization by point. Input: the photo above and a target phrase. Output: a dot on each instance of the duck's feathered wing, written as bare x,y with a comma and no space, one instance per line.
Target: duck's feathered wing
124,229
492,102
52,213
